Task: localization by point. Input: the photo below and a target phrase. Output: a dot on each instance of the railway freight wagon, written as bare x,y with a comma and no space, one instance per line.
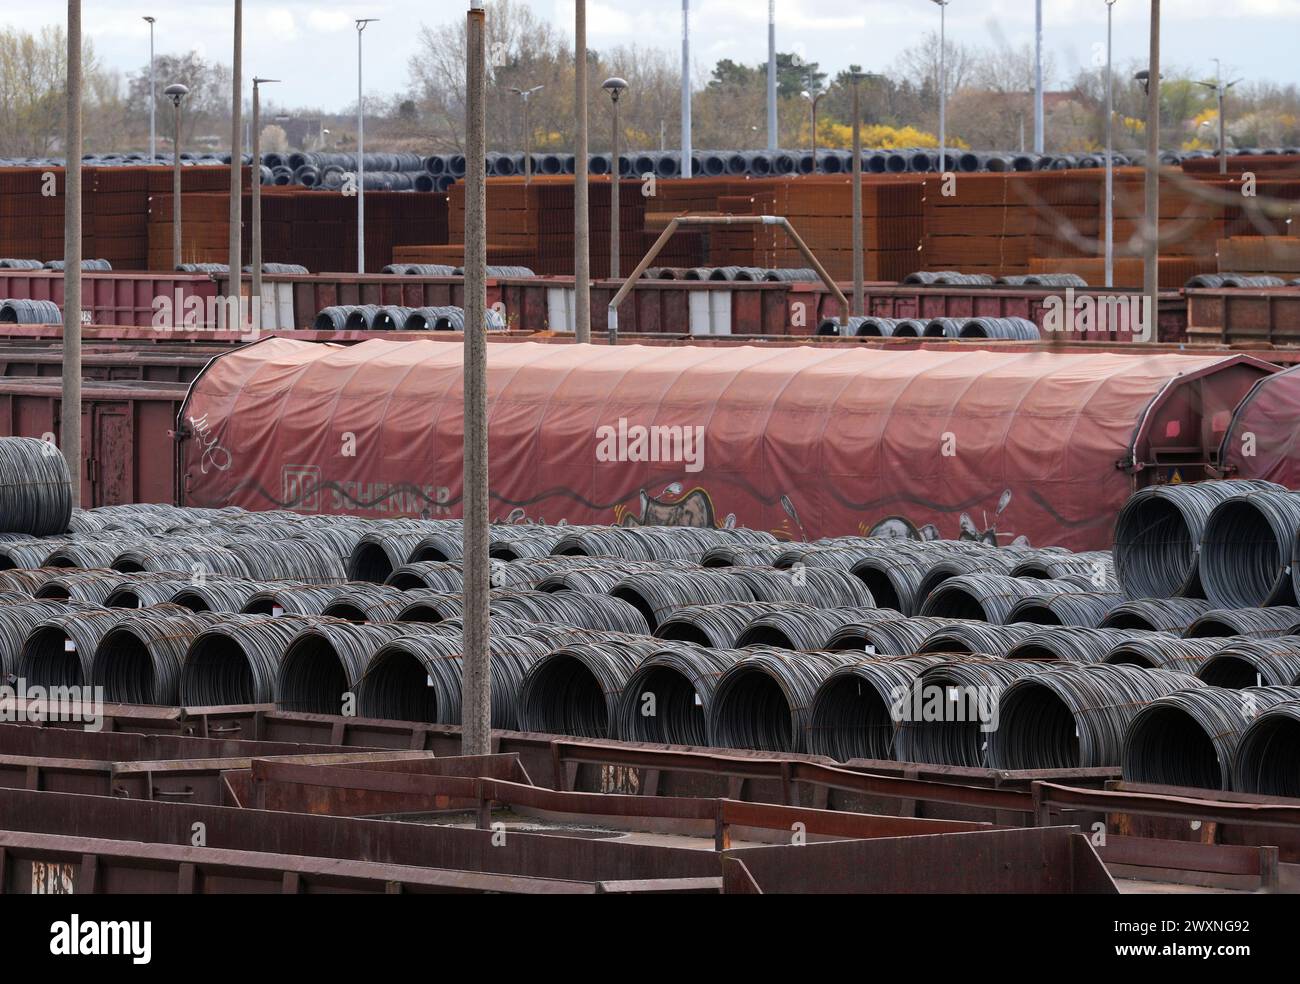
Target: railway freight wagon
804,442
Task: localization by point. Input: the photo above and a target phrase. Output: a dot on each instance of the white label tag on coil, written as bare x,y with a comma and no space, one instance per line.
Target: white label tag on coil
276,611
69,646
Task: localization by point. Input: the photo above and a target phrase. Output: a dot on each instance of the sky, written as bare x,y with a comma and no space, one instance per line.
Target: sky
312,45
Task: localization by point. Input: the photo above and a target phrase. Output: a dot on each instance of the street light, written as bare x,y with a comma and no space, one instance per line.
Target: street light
361,154
615,87
686,88
1110,146
1220,90
813,101
176,92
1039,141
859,294
153,97
943,84
771,75
257,198
525,95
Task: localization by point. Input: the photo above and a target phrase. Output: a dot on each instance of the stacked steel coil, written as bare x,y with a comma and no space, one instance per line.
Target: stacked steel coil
1245,663
1165,652
1157,614
855,711
35,487
989,597
1267,752
885,634
575,690
139,660
716,626
668,697
1258,623
1246,550
1072,644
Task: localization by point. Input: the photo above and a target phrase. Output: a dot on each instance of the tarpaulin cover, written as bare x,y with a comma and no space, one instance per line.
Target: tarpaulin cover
805,442
1263,440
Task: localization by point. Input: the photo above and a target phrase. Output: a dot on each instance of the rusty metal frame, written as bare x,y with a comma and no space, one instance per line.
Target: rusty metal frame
702,220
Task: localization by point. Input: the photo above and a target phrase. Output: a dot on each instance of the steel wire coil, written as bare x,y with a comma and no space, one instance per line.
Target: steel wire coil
814,586
1097,565
944,327
442,546
950,712
1190,738
1246,550
304,558
799,627
35,487
237,660
1074,716
888,634
1014,329
324,662
89,553
939,569
136,592
894,582
139,660
571,608
59,650
365,602
518,542
741,555
1258,623
17,620
1267,753
988,597
436,575
379,553
1167,653
20,552
763,699
217,594
1157,614
575,690
667,699
582,574
27,580
1082,608
430,606
1254,663
24,311
296,599
192,557
715,626
853,712
656,595
1074,644
95,586
958,636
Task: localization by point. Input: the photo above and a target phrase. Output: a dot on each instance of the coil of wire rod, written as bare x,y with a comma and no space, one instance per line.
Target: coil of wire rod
35,488
1257,623
571,608
293,560
582,574
59,650
379,553
138,661
418,677
324,662
440,545
575,690
853,714
799,627
28,581
988,597
716,626
1015,329
437,575
429,606
1246,550
135,592
1074,716
237,659
1164,653
667,699
763,699
1267,752
938,569
216,594
20,552
1096,565
816,586
17,620
741,555
518,542
1082,608
657,594
296,599
950,712
889,634
1254,663
894,581
1158,535
957,636
1157,614
89,553
90,585
1074,644
366,602
192,557
613,541
1190,738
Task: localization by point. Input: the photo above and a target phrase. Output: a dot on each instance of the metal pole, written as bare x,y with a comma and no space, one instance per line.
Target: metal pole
772,135
257,199
1151,272
70,407
476,708
237,162
528,145
581,211
1038,77
361,155
859,295
1110,145
153,99
943,86
1223,134
614,203
176,190
814,134
686,88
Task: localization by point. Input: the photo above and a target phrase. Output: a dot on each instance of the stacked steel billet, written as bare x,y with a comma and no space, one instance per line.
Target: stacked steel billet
1258,623
366,602
717,626
960,636
1246,550
139,660
59,651
1074,716
1072,644
1158,536
17,620
1157,614
571,608
762,701
657,595
1254,663
323,664
854,713
296,599
1082,608
217,594
135,592
417,677
885,634
667,698
1190,738
951,709
237,660
816,586
992,597
799,627
1267,752
1165,652
436,574
35,487
575,690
